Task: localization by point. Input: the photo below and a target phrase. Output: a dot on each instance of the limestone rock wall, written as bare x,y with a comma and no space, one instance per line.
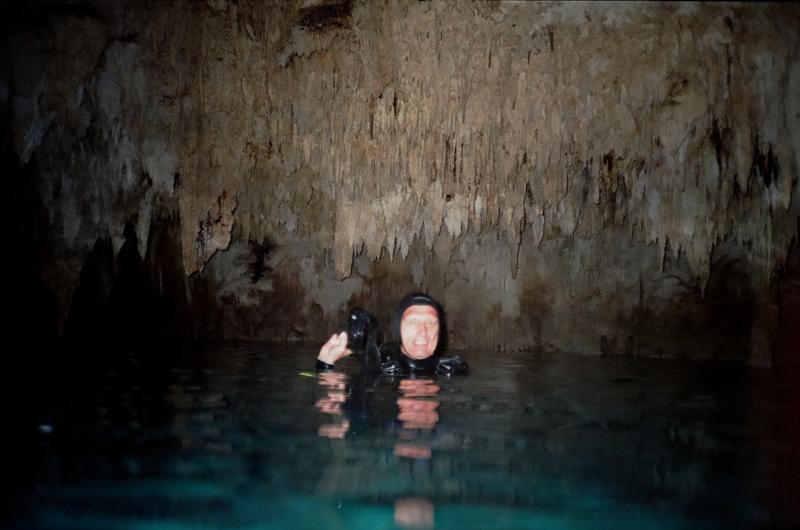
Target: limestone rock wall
593,177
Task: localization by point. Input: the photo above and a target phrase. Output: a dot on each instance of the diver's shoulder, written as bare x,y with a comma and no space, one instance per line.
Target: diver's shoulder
452,365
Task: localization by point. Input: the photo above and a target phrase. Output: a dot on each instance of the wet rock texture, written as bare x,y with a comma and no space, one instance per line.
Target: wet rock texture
586,177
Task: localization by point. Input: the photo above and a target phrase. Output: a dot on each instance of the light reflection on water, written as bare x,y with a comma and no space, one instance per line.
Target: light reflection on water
248,436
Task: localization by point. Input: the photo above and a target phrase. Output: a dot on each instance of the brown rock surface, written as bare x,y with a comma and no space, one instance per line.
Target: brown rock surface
592,177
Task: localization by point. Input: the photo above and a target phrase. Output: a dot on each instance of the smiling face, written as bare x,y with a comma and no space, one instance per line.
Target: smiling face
419,331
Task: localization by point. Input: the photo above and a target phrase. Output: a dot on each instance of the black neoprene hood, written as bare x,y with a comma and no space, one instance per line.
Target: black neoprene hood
412,299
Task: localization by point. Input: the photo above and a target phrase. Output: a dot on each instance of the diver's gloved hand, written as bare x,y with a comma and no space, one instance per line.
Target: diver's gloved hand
335,349
452,365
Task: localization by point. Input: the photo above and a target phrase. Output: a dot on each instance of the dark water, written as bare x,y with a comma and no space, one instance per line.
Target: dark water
249,436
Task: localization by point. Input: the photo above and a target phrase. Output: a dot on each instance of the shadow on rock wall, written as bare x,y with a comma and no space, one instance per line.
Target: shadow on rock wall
787,344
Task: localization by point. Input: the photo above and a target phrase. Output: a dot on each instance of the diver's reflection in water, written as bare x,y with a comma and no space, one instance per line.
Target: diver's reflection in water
413,512
417,411
335,385
417,415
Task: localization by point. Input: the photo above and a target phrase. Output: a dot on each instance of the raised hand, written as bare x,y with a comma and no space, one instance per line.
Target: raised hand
335,349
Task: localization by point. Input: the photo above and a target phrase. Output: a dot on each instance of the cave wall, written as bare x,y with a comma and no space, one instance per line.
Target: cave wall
585,177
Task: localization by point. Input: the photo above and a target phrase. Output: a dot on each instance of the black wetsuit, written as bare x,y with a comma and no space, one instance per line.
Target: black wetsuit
381,365
389,360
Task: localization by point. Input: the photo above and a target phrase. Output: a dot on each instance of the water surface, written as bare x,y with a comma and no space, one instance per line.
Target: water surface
249,436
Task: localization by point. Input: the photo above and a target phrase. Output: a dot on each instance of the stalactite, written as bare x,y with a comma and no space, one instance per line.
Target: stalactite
381,127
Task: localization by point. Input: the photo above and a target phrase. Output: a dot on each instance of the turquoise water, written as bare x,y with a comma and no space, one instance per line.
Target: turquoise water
249,436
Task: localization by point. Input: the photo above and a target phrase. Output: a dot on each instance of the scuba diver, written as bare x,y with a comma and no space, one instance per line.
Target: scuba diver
357,405
418,322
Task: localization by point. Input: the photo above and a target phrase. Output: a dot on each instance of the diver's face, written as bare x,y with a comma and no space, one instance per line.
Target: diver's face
419,331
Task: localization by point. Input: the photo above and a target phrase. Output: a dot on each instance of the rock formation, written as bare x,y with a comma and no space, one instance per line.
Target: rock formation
587,177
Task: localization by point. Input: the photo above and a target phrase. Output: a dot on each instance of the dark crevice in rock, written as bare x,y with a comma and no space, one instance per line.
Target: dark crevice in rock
765,165
325,17
260,252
